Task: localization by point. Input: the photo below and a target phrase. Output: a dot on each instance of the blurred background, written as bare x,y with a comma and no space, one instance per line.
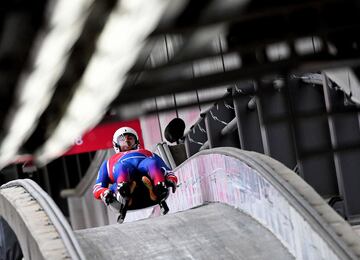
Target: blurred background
280,78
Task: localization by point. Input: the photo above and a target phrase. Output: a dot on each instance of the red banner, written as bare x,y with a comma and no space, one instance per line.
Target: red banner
100,137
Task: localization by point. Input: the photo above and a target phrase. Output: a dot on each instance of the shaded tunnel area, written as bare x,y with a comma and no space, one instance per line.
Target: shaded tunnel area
9,244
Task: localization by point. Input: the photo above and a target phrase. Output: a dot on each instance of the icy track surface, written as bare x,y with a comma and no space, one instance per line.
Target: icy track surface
213,231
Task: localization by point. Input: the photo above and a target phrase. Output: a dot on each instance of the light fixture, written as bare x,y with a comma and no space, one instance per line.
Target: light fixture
36,87
118,46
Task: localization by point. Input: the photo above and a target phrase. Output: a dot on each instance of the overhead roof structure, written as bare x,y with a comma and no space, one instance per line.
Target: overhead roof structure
64,66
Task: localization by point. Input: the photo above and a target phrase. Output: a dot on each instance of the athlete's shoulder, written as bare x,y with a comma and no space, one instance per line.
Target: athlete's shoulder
144,152
116,157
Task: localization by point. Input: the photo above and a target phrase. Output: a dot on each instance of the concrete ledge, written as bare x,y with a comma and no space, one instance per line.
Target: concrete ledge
41,229
255,184
272,194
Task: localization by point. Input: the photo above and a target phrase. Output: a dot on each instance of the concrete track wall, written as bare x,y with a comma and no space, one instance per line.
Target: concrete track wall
270,193
39,225
258,186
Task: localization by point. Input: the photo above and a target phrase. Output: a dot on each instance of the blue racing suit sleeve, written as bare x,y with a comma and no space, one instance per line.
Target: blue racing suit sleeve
102,180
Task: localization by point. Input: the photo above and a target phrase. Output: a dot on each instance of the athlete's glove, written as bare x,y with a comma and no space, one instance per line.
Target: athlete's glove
171,181
107,197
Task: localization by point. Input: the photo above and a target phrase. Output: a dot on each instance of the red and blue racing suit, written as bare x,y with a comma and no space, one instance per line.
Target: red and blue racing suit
121,166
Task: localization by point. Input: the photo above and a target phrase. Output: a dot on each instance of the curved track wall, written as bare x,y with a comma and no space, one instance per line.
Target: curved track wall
257,185
270,193
41,228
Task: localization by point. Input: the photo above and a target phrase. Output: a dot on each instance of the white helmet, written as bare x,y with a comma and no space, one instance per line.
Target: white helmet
121,132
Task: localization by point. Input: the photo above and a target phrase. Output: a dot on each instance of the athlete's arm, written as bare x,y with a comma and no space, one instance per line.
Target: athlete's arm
102,181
